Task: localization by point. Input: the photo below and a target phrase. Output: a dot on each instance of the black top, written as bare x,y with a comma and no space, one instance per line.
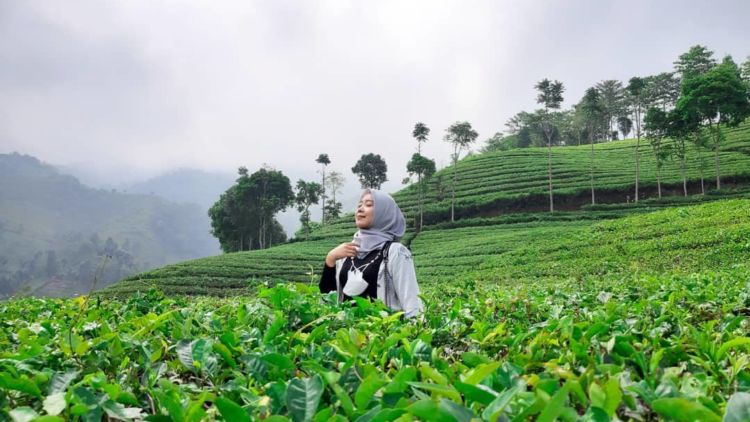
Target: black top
370,275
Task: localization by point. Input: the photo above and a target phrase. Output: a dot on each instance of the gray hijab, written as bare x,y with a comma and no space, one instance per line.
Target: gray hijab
388,224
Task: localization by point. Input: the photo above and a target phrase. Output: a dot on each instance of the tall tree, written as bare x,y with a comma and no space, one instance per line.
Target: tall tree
715,98
308,193
679,129
661,91
460,135
656,125
612,100
423,168
371,170
636,90
696,61
550,96
324,161
595,112
334,182
420,133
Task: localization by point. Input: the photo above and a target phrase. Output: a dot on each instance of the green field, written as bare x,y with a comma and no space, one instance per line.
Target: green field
616,311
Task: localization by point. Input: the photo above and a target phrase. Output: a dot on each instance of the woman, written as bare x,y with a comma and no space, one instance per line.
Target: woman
374,265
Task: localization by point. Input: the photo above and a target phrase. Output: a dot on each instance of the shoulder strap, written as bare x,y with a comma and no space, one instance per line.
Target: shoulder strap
388,278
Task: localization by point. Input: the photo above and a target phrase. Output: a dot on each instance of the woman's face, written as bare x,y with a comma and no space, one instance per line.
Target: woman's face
365,212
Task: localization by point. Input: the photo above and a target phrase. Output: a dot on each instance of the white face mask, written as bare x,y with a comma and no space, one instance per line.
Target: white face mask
355,283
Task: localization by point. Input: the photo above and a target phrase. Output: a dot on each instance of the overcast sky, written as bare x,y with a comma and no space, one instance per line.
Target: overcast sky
135,88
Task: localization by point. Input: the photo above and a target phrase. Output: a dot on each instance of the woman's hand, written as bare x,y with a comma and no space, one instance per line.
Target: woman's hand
348,249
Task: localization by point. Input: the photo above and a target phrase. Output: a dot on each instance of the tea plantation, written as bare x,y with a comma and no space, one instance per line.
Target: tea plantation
610,312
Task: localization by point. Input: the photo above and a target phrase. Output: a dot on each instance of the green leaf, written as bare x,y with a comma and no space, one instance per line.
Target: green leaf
738,408
231,411
22,384
225,354
23,414
597,396
495,409
683,410
60,381
49,418
614,396
54,404
366,390
459,412
279,360
303,396
481,372
555,406
472,359
184,351
429,411
731,344
479,394
440,390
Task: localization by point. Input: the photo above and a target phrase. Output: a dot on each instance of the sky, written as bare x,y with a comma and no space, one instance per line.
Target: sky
125,90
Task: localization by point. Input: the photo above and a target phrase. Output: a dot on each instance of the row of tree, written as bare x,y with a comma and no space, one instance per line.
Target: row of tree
244,216
675,110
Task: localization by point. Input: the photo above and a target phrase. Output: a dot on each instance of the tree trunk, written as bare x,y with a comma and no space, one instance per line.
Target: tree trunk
549,169
323,200
453,191
684,178
658,179
593,198
637,151
717,140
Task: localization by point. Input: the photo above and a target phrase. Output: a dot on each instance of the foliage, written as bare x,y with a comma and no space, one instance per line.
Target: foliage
599,350
243,217
695,62
308,193
420,133
371,170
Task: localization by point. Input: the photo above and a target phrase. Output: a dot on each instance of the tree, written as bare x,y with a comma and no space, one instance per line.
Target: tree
679,129
334,182
656,126
696,61
423,168
243,217
717,97
593,109
420,133
636,90
308,193
460,135
371,171
550,95
612,102
661,90
324,161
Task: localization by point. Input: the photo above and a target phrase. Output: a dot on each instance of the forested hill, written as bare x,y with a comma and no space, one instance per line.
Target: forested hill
54,230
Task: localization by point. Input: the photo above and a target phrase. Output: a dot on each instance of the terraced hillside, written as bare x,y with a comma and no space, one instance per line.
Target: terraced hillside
516,180
573,245
502,247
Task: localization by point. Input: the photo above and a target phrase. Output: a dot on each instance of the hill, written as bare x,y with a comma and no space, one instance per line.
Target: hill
54,230
499,195
516,180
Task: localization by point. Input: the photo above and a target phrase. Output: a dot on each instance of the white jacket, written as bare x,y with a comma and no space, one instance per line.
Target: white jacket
403,294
